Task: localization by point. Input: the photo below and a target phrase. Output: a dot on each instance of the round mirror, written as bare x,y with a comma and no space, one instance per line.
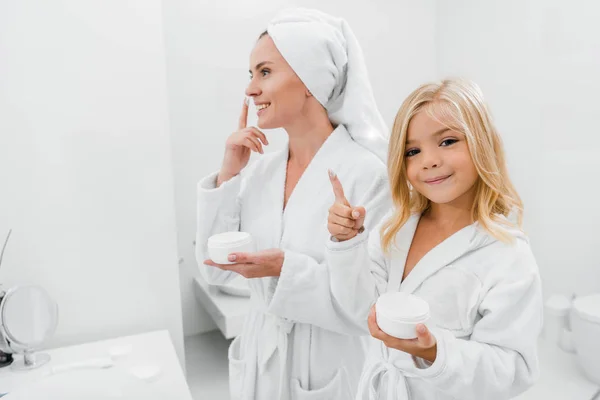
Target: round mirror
28,318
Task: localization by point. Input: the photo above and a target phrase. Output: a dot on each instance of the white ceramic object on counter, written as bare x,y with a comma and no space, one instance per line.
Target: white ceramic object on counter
399,313
579,333
223,244
556,318
238,286
118,352
585,335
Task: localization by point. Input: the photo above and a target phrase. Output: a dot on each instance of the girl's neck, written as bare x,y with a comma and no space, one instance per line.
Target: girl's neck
454,215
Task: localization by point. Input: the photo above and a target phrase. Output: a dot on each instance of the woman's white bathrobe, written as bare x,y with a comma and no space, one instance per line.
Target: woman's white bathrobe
296,337
486,307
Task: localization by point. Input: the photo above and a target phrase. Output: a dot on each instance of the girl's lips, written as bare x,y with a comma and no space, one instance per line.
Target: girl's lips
437,180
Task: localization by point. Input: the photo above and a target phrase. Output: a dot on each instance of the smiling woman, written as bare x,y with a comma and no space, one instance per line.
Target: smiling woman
278,93
307,76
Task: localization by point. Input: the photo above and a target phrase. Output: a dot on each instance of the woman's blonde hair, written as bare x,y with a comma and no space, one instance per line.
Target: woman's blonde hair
459,105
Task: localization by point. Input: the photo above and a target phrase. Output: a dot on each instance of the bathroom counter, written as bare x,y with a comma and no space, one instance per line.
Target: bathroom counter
560,377
228,311
148,349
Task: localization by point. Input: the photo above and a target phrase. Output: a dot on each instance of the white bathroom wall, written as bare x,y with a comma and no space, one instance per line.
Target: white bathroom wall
208,45
537,62
85,165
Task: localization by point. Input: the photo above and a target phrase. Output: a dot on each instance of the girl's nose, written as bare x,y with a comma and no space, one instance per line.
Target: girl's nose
431,160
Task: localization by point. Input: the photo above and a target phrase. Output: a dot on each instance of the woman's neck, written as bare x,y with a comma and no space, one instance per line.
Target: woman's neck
306,137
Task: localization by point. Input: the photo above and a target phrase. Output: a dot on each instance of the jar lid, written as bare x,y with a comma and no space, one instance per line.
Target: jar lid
229,239
558,305
588,307
402,307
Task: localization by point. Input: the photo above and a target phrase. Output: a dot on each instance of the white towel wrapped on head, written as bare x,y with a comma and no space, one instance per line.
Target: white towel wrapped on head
326,56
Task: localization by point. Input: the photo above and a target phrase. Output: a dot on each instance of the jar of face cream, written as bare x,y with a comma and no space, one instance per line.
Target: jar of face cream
399,313
221,245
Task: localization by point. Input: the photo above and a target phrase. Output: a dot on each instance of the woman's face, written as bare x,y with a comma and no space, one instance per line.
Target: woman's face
278,93
438,161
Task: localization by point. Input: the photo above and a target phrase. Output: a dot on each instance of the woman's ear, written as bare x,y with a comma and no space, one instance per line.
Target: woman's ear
308,93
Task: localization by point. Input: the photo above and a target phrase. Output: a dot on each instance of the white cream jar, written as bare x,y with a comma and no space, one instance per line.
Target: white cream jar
221,245
399,313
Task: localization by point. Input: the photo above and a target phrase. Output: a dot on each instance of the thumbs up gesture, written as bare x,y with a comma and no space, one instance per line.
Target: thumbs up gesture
344,221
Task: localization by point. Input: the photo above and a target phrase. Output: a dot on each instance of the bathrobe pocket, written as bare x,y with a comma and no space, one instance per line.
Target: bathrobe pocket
237,369
337,389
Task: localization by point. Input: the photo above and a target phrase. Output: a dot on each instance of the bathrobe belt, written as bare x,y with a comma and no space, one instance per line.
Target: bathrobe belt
386,371
274,334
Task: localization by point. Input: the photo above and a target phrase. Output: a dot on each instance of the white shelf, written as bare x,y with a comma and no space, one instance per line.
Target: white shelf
228,311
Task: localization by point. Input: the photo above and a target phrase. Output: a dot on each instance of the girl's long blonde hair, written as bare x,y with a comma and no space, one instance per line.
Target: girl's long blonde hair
459,105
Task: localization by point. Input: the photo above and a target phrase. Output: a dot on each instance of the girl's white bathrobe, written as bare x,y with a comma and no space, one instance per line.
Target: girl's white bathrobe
297,343
486,313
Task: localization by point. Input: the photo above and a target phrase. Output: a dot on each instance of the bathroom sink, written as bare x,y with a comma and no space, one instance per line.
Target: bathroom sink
238,286
90,384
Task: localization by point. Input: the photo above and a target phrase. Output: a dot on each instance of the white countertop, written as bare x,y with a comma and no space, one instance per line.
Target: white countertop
560,377
148,349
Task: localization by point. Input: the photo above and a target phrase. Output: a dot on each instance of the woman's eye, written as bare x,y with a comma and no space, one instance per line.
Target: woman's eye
448,142
412,152
265,72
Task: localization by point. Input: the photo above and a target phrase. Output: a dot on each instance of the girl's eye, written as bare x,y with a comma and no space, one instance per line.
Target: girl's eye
412,152
265,72
448,142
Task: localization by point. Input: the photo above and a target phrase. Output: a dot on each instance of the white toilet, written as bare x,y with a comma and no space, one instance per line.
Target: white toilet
582,333
585,328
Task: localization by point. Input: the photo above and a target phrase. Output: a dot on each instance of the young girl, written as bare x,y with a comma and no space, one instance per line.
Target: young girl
452,240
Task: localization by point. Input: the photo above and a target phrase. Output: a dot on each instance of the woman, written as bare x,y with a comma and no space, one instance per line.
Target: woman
308,77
